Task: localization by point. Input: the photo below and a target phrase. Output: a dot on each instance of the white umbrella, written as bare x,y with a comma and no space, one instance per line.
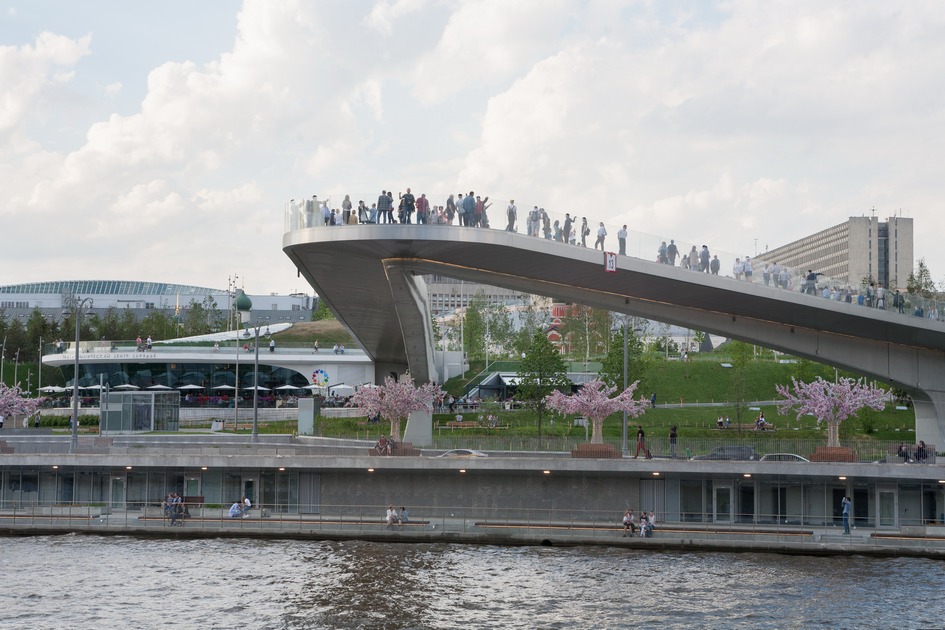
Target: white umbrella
224,387
126,386
260,388
96,387
341,390
190,387
52,389
160,387
286,387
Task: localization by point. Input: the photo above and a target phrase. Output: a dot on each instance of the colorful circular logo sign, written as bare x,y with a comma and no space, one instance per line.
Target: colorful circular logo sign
320,378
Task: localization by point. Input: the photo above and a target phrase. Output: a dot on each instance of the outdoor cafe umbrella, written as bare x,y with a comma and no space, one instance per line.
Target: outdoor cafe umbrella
224,387
260,388
126,386
341,390
160,387
287,387
52,389
190,387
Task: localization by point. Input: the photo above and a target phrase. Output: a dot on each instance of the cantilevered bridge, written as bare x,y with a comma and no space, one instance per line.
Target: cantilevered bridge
370,276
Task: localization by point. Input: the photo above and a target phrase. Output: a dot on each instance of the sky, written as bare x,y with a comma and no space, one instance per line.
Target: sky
162,141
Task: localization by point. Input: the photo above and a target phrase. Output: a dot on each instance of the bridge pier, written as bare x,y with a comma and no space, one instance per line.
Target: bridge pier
419,431
930,418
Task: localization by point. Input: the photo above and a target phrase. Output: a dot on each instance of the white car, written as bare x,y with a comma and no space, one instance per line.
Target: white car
783,457
463,452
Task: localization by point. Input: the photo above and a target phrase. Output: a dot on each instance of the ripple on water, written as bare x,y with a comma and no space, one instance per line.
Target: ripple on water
86,582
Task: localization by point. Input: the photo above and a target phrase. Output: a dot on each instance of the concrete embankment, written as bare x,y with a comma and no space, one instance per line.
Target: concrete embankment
670,537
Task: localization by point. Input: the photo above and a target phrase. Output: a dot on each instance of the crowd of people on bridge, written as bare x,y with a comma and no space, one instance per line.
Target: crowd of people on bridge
473,210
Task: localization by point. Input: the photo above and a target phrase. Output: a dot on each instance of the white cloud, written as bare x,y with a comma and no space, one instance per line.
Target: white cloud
708,123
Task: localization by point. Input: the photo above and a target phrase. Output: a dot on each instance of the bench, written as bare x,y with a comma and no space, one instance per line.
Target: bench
462,424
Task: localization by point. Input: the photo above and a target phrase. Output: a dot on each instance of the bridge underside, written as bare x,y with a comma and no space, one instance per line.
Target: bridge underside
368,276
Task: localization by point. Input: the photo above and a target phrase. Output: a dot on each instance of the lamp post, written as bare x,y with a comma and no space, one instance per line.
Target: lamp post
255,327
77,305
16,368
3,356
244,305
39,368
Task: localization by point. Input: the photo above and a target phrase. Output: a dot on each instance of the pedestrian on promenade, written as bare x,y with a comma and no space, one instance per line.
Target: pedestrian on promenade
672,442
641,443
622,240
845,504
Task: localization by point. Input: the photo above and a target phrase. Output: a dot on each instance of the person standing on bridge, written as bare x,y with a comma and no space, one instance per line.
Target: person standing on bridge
423,209
383,208
512,213
704,260
601,234
585,231
409,203
672,252
622,240
469,209
566,228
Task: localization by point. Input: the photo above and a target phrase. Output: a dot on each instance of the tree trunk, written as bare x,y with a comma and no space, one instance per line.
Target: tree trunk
833,433
597,430
395,429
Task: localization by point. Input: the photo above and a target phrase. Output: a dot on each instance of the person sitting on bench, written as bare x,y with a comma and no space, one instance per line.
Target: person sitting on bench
383,446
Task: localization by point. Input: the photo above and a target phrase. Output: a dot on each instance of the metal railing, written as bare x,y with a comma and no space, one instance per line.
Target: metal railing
641,245
478,523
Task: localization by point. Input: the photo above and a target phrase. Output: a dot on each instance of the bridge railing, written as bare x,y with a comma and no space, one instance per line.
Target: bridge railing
639,244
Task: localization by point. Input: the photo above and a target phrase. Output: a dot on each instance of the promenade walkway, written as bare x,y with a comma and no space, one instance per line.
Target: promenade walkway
441,527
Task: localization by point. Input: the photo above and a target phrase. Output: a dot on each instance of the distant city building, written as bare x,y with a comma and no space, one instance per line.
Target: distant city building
862,247
18,300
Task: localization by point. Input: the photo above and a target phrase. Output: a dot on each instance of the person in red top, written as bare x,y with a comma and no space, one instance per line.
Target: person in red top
423,209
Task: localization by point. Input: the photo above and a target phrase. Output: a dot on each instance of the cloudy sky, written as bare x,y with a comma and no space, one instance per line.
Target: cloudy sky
160,141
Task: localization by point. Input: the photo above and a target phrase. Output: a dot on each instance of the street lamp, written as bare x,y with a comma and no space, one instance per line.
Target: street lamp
3,356
16,368
626,326
77,304
245,306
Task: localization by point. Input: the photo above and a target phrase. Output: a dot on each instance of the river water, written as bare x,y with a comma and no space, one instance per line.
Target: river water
75,581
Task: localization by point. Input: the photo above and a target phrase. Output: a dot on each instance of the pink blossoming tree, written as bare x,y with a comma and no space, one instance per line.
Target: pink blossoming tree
830,402
395,400
594,401
12,402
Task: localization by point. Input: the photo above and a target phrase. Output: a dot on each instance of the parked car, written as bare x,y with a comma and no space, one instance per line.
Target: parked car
783,457
463,452
731,452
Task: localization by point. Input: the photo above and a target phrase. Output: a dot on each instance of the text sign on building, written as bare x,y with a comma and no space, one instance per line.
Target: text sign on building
610,262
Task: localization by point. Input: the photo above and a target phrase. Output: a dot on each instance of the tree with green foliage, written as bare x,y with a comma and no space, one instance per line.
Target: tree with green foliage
321,311
158,324
742,354
541,372
531,317
920,281
474,326
586,331
638,363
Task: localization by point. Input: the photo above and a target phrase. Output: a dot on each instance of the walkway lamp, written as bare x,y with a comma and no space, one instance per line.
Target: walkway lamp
244,305
76,304
3,356
16,368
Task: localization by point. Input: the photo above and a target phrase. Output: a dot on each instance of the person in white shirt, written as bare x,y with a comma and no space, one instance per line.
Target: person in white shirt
601,233
391,516
247,505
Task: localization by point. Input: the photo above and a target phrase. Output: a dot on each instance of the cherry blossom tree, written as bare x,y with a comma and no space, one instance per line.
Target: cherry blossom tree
395,400
594,401
12,402
830,402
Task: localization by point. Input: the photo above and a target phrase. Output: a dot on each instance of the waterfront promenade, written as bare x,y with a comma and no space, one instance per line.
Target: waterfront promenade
440,526
332,489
